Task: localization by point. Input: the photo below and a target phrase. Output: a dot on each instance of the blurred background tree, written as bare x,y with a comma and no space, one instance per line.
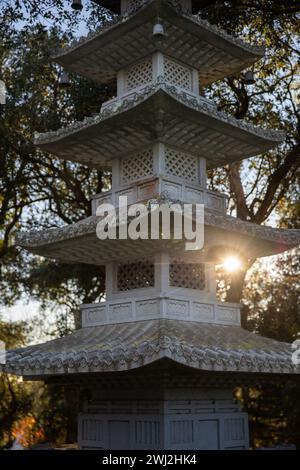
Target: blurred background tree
38,190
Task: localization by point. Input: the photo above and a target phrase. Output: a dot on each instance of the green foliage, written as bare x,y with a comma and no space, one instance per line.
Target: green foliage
273,300
37,190
15,399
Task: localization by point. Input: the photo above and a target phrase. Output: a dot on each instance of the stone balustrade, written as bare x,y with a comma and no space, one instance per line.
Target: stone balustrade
171,187
145,307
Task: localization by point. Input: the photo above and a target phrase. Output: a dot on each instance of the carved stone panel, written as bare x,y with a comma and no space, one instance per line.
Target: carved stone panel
121,311
178,308
227,314
147,308
202,312
94,316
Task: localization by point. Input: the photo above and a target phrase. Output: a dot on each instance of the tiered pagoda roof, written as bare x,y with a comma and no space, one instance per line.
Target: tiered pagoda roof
167,114
159,111
79,243
122,347
189,39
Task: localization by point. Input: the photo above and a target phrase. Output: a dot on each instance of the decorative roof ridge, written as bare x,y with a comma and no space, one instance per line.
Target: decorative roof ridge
88,226
197,103
176,6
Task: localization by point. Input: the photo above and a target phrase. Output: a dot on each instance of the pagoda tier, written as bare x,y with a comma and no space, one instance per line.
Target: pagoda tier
223,234
188,39
122,347
158,112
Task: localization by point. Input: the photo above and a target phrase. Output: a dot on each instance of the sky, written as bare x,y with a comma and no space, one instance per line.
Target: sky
22,310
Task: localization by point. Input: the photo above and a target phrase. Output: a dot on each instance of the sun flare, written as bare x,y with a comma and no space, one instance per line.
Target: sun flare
232,263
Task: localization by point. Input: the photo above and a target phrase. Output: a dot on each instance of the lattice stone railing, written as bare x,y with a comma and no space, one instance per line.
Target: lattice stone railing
187,275
178,74
150,307
150,69
139,74
137,167
145,71
181,164
135,275
160,159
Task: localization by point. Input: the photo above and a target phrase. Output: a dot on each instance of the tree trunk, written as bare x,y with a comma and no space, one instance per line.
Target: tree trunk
235,291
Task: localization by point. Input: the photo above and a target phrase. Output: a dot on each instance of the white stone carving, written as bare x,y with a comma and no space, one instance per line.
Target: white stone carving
187,275
178,308
146,190
147,308
94,315
227,314
178,74
121,311
139,74
129,193
137,166
135,275
202,312
214,202
147,70
176,190
181,164
195,196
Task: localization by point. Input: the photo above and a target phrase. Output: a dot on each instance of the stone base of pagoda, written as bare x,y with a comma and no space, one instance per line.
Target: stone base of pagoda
178,419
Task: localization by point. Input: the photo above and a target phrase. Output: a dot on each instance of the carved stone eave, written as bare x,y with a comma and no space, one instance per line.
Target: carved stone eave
127,39
122,347
115,5
223,234
164,112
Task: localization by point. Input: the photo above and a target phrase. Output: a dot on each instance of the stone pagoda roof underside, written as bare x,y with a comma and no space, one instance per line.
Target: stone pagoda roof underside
223,234
133,345
115,5
159,111
128,39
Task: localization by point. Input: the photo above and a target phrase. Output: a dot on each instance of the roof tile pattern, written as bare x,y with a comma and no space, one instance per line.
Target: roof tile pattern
133,345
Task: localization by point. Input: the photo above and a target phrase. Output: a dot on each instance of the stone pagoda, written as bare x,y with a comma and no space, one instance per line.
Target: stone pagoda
155,365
